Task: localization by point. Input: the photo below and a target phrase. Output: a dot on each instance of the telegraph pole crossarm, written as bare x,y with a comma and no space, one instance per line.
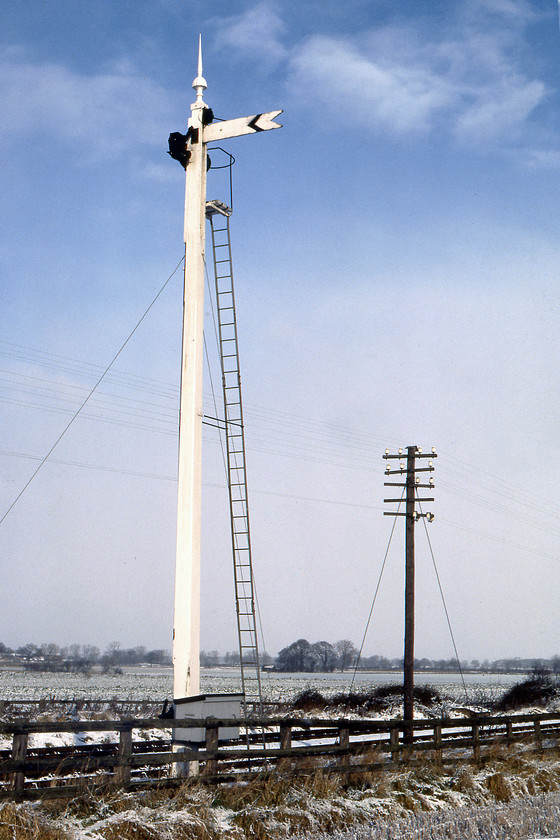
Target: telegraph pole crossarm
410,486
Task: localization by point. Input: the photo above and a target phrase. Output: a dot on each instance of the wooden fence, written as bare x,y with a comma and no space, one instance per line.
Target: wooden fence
128,754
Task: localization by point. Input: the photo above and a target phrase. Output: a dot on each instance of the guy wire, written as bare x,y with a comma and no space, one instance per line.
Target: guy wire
444,604
375,595
90,394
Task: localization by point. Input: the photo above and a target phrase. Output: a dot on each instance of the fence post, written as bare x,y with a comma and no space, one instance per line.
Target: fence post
344,739
538,735
476,742
122,776
19,753
437,743
212,741
394,741
285,744
509,732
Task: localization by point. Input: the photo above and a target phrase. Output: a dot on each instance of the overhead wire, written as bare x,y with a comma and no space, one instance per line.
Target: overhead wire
299,425
313,441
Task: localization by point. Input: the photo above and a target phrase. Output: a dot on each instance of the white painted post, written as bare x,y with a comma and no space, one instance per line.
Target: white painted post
186,630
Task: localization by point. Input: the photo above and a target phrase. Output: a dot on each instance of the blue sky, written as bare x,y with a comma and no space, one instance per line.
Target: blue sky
396,253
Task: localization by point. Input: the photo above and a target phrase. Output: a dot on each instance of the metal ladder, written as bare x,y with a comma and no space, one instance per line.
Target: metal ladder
218,215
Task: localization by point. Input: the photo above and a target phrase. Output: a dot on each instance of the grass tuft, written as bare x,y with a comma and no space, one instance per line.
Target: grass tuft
499,787
22,822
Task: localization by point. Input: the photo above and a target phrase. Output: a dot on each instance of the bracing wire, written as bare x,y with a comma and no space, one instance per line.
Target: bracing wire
90,393
444,604
358,658
259,616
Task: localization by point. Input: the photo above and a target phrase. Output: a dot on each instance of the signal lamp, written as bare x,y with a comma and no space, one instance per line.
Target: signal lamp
178,148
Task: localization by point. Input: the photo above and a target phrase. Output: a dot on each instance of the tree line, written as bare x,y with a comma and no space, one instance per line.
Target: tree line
81,658
299,656
326,657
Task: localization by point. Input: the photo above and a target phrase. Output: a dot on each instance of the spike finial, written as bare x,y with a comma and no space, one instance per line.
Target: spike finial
199,83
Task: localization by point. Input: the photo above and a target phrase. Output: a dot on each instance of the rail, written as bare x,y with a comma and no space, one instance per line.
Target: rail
130,756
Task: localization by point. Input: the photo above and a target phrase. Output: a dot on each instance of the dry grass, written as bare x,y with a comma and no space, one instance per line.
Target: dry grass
275,808
500,787
21,822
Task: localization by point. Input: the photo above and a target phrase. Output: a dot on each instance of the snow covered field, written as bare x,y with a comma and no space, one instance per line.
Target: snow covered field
514,797
157,684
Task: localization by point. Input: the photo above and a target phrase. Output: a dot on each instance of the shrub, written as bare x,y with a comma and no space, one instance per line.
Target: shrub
308,700
538,690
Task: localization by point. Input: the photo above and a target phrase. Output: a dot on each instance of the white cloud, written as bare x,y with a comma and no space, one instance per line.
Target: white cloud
101,114
499,108
394,79
386,95
541,158
256,33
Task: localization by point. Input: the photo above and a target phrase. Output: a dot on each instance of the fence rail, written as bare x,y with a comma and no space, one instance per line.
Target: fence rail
130,756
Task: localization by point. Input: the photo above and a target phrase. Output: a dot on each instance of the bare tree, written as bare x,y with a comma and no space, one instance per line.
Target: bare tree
347,653
296,657
326,655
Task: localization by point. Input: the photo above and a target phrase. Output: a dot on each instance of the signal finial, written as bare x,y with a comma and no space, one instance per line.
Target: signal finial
199,83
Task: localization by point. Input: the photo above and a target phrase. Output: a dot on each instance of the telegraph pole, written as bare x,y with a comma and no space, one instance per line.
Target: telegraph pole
190,150
410,497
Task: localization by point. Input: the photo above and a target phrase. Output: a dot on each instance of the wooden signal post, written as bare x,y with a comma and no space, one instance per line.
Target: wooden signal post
190,150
